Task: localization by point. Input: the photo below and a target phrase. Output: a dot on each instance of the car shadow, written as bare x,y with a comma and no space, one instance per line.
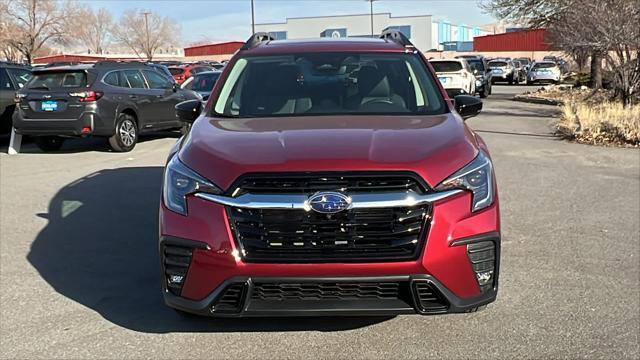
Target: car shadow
81,145
100,249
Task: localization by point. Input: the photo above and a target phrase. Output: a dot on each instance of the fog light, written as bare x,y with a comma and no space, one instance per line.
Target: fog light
484,278
483,261
176,279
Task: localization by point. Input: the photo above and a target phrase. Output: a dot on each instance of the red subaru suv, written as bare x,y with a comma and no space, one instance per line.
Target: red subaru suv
329,177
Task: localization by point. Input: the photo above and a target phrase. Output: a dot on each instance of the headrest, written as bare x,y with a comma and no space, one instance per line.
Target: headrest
372,82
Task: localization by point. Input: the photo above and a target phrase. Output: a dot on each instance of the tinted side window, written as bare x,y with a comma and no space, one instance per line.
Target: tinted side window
155,80
197,70
5,82
112,79
20,76
135,79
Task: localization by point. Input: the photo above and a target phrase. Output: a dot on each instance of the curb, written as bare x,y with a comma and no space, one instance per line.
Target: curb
537,100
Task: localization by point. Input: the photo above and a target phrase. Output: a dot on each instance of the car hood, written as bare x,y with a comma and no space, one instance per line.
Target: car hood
434,146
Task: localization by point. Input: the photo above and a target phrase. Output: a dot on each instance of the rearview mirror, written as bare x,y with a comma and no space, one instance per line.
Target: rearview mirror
467,106
188,111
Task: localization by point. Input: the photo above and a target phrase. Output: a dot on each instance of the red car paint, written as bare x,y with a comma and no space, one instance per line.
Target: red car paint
432,146
187,70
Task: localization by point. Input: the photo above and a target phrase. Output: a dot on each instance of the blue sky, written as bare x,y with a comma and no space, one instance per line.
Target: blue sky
219,20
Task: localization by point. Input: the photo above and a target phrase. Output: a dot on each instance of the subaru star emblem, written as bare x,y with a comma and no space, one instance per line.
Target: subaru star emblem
328,202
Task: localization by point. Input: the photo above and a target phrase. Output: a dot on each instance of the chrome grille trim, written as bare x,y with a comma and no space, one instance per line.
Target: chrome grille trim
300,202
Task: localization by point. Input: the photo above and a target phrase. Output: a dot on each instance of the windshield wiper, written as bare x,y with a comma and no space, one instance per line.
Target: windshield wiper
40,87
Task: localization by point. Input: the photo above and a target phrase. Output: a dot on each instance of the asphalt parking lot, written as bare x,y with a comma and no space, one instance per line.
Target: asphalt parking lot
79,266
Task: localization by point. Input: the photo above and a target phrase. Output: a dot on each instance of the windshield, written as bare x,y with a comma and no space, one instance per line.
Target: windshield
51,80
446,66
497,64
176,71
544,65
329,83
476,65
524,61
201,82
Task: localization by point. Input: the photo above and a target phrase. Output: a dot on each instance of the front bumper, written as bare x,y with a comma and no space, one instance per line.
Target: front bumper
415,289
215,264
543,77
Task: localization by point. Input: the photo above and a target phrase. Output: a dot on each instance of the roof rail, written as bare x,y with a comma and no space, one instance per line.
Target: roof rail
256,39
397,37
118,62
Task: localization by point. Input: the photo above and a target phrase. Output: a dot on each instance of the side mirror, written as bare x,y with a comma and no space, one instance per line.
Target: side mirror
475,71
175,87
188,111
467,106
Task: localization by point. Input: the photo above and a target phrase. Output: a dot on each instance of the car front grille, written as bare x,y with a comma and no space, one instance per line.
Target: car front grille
381,234
311,183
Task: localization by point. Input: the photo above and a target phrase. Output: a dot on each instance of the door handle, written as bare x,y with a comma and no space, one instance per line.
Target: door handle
133,97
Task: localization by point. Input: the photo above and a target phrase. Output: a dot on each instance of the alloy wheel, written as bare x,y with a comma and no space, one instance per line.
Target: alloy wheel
127,132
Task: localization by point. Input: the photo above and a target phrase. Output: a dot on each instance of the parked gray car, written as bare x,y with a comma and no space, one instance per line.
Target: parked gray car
117,100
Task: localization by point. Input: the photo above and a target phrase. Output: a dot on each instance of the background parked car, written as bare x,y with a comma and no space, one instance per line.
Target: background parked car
12,78
482,73
455,75
182,72
202,83
117,100
526,62
519,72
544,71
502,70
162,69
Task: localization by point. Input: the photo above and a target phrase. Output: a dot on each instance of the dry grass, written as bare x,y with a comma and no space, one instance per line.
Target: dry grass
604,123
566,94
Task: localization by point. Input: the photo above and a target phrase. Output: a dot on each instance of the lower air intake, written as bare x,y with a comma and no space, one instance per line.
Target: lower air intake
483,259
428,299
327,291
231,299
176,260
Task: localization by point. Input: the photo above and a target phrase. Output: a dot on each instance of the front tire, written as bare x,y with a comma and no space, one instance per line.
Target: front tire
49,143
126,134
484,92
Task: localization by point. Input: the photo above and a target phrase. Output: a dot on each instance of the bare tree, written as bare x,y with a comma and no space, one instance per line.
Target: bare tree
144,32
549,14
33,23
612,35
93,28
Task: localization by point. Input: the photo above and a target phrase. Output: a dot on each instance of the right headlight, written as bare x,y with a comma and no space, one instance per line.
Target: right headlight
477,177
179,182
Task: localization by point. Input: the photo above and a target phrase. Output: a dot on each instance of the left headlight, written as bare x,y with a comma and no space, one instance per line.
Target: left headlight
477,177
179,182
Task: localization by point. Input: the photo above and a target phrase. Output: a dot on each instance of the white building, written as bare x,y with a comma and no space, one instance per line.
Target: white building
423,31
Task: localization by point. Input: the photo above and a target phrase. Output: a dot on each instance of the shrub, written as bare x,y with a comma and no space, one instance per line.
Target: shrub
608,122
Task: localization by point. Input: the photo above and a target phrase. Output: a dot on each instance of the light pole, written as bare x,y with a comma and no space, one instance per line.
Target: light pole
253,18
371,4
